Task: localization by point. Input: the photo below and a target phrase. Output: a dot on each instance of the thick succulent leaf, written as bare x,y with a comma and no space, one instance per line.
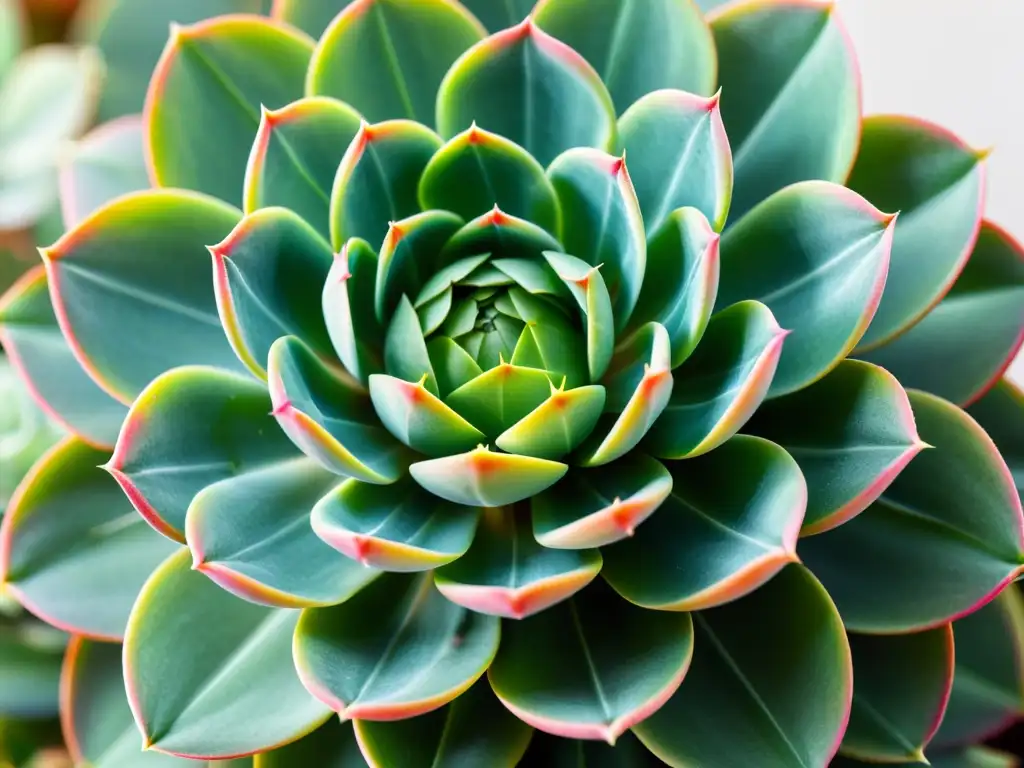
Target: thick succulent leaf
209,675
680,282
347,303
295,155
191,428
501,235
414,415
387,57
965,343
549,341
729,525
106,163
520,79
722,384
30,671
132,291
397,528
595,507
963,757
940,542
405,350
332,745
499,398
507,573
26,433
477,170
499,16
901,688
35,346
453,366
817,255
1001,413
937,182
487,479
602,222
203,103
419,652
558,425
378,179
473,730
792,105
588,287
636,48
587,682
266,274
79,570
861,437
757,682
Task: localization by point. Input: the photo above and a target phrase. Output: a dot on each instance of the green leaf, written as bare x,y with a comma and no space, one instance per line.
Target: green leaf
387,57
498,399
26,432
432,314
347,303
901,686
499,16
312,18
209,675
398,528
729,525
520,79
132,291
596,507
414,415
557,426
940,542
507,573
419,652
34,344
378,179
31,673
588,287
453,366
473,730
193,427
721,385
966,342
106,163
328,419
861,437
937,182
962,757
1001,413
80,572
204,99
295,155
332,745
636,48
501,235
816,254
603,226
478,169
405,351
757,682
587,682
792,104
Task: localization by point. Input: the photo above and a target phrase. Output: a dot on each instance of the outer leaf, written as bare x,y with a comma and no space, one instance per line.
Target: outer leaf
387,57
507,573
1001,413
295,156
209,675
218,73
861,437
191,428
557,426
31,673
822,282
962,757
333,745
140,265
419,653
957,518
499,398
938,184
757,682
589,683
729,525
793,106
901,687
347,303
522,78
415,416
963,345
79,572
485,479
399,528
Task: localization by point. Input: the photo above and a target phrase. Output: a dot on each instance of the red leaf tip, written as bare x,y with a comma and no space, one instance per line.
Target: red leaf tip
714,101
496,217
474,135
282,408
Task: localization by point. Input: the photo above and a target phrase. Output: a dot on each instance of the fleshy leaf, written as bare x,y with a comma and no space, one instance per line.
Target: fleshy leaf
30,669
420,652
860,438
937,183
209,675
522,78
501,235
347,303
398,528
499,16
557,426
332,745
757,682
499,398
939,543
587,682
218,73
453,366
729,525
507,573
822,282
415,416
1001,413
405,351
588,287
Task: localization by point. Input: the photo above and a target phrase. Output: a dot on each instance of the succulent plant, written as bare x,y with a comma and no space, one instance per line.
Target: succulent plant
540,408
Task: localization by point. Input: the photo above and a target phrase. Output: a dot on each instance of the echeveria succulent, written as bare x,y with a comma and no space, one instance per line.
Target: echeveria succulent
484,385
